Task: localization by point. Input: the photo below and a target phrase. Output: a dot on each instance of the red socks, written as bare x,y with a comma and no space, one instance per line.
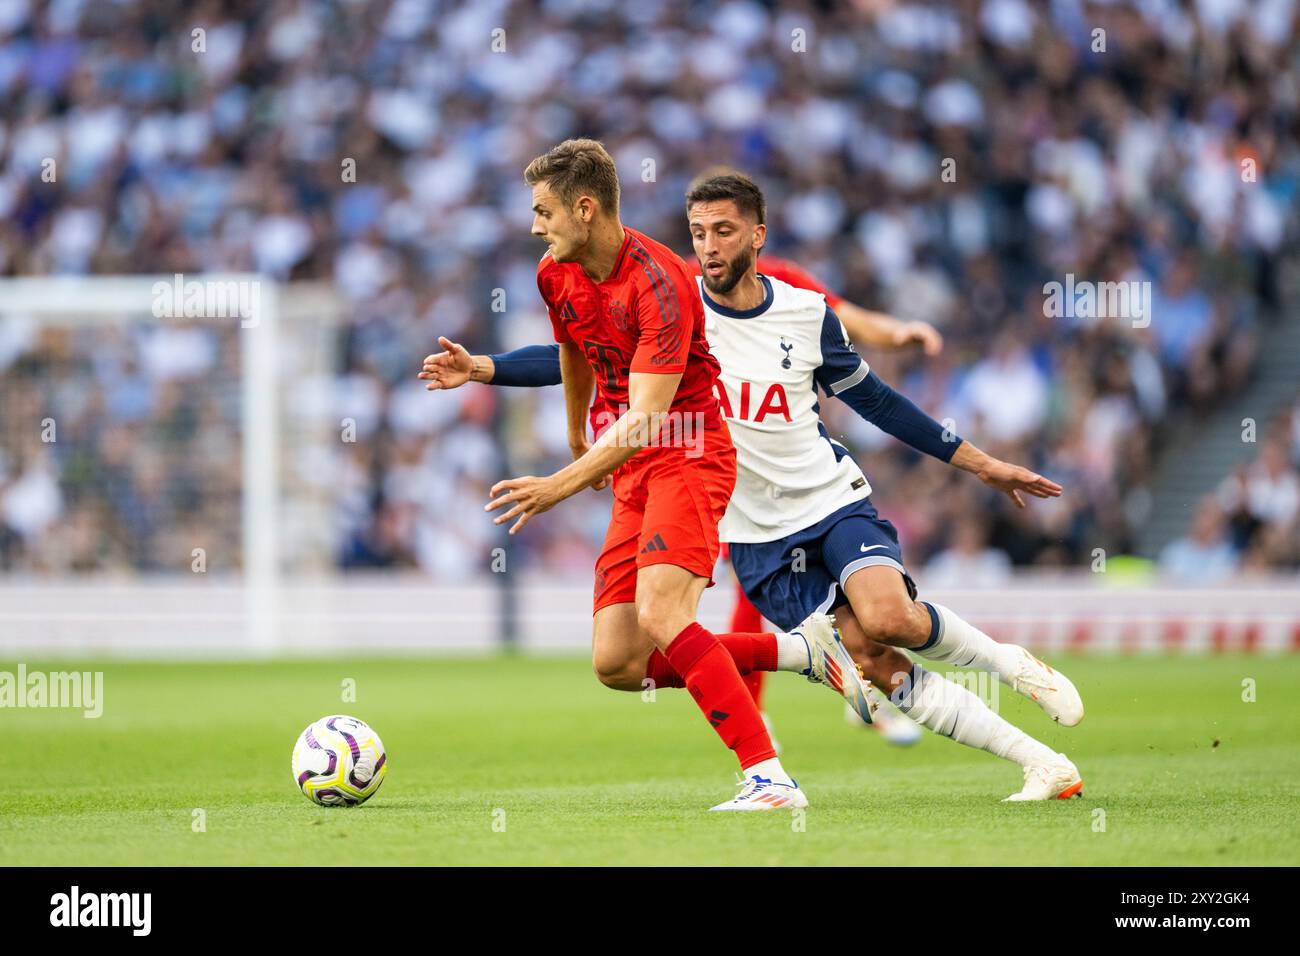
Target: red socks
710,674
746,618
754,684
660,672
753,654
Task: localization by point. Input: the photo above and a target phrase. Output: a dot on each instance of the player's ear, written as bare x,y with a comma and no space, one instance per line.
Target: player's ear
760,236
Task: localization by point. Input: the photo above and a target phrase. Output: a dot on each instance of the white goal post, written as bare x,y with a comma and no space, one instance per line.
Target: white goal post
267,316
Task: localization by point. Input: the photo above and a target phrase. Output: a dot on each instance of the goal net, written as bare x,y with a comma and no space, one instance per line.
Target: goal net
176,427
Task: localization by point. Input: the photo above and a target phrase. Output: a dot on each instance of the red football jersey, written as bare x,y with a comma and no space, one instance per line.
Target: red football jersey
786,271
646,317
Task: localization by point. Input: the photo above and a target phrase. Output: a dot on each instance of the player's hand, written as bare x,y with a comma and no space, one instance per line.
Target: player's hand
447,369
921,333
526,496
1012,480
580,445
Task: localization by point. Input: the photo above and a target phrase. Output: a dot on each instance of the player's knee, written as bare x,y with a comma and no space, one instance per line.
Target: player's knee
617,672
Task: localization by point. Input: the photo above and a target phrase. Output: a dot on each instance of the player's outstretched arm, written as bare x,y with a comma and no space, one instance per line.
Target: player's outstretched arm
453,367
1013,481
844,375
650,395
896,415
529,367
882,331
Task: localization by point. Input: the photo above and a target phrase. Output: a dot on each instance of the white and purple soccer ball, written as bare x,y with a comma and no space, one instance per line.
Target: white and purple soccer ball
339,762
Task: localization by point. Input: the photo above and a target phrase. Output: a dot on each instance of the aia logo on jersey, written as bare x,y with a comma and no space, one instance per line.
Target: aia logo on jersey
774,402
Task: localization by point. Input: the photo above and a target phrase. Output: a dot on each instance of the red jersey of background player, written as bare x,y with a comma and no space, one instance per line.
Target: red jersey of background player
647,316
786,271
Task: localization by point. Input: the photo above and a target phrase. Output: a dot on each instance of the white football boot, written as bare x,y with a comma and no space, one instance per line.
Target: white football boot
832,665
1059,780
1049,689
895,727
762,793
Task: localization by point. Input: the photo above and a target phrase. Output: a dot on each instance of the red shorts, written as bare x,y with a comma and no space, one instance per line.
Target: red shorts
667,505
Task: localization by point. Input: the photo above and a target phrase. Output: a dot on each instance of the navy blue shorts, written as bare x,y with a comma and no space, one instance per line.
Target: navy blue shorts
805,572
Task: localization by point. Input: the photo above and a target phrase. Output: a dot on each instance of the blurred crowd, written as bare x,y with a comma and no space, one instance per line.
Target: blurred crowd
941,162
1252,521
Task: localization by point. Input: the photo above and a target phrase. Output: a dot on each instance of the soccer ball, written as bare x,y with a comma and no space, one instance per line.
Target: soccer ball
339,761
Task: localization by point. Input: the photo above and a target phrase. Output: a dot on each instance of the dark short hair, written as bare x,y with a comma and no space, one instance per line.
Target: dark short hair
575,168
720,186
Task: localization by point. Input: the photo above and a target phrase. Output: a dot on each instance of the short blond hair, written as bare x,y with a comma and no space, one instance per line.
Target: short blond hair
577,167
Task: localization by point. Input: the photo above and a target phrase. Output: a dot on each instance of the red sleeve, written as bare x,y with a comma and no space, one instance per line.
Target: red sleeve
787,271
548,284
665,319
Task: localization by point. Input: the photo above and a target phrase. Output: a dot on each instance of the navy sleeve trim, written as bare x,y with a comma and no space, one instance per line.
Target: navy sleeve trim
896,415
529,367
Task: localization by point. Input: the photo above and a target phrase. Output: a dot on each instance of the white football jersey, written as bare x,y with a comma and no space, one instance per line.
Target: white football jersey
790,473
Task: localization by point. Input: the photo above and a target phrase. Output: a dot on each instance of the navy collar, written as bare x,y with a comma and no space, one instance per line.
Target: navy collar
741,313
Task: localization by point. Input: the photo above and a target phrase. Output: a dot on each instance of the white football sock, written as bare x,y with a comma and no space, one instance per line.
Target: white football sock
964,645
792,653
949,709
770,768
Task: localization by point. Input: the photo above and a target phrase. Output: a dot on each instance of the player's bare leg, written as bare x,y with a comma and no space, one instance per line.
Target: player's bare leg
937,633
619,648
621,653
625,657
878,608
667,597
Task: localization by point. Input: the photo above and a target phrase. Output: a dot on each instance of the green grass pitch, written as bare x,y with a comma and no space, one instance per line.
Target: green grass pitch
1185,771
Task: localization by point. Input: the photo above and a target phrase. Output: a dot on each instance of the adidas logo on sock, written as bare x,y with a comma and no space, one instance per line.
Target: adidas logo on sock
716,717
